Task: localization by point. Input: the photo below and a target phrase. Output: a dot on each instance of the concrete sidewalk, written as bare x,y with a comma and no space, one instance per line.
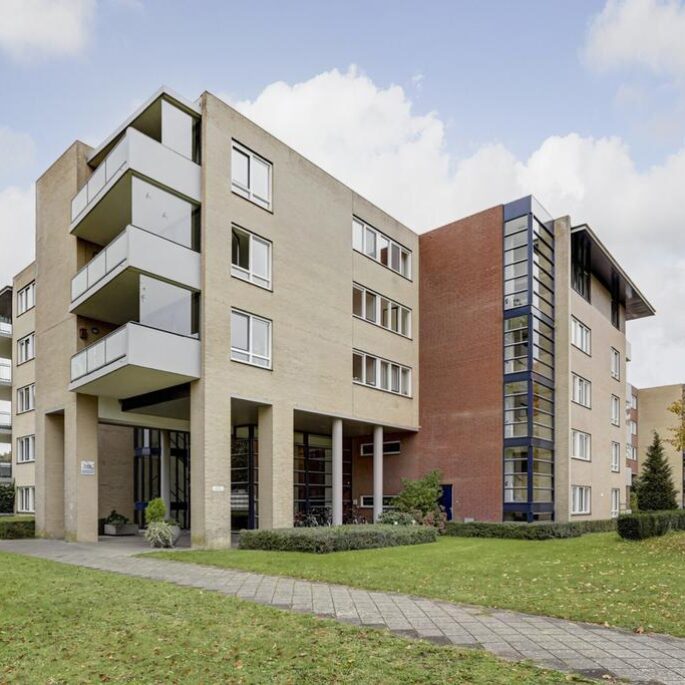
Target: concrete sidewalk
584,648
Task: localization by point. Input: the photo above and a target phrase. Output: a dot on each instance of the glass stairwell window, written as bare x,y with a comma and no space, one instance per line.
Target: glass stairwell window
250,257
251,175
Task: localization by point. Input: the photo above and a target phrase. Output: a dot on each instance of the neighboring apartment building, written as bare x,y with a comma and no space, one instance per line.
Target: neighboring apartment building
653,415
523,366
204,290
5,384
632,442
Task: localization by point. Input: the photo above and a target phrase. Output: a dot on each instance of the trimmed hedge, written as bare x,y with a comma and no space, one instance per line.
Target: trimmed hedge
528,531
647,524
325,539
15,527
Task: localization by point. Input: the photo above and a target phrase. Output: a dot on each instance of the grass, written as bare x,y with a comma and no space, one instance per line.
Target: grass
597,578
62,624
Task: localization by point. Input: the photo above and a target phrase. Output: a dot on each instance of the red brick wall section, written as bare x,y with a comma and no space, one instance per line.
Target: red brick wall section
461,372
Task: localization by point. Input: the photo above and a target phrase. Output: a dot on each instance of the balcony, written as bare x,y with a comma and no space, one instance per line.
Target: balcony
5,427
5,381
134,360
136,154
107,288
5,339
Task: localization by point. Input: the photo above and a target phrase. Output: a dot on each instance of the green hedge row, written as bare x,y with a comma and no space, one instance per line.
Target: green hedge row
528,531
647,524
324,539
15,527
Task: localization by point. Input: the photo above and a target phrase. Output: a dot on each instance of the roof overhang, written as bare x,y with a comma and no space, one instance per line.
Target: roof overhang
603,265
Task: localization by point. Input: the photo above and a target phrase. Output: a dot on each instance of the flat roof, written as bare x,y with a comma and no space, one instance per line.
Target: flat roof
603,264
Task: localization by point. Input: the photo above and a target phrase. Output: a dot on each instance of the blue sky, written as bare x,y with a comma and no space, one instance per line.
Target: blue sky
451,107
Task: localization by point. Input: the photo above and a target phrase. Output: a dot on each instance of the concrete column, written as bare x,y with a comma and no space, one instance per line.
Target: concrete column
81,469
164,465
275,449
210,466
50,476
377,472
337,479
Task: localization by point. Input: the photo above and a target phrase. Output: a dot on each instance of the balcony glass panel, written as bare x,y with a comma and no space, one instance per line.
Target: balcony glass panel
5,419
5,372
166,306
99,354
98,267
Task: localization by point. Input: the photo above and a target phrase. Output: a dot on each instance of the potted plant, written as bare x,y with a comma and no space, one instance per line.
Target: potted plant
160,532
118,524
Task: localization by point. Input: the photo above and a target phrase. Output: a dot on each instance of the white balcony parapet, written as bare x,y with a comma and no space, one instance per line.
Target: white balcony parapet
5,372
5,420
141,250
133,360
5,328
142,154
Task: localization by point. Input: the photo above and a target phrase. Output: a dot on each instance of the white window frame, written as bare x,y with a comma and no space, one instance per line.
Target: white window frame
377,382
26,398
26,449
389,447
615,410
581,500
615,361
366,501
370,234
247,191
26,499
615,502
582,391
249,274
581,336
26,348
377,313
252,357
26,298
633,427
631,452
581,445
615,457
633,401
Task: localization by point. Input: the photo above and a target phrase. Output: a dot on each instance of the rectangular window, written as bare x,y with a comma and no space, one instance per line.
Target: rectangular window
381,373
582,391
633,401
26,398
26,298
580,499
581,445
615,410
381,311
366,501
26,449
615,364
251,175
250,339
26,500
633,427
374,244
631,452
250,257
615,502
26,348
581,336
389,447
615,457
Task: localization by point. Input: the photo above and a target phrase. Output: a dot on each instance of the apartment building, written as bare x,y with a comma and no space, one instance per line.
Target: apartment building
523,366
632,443
213,309
653,415
5,384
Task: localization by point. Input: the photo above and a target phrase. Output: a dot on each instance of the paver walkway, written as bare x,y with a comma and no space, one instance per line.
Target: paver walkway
565,645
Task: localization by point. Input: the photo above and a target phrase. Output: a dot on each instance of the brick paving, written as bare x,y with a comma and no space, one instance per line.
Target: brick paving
584,648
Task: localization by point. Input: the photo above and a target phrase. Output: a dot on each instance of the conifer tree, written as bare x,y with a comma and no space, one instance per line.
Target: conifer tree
655,490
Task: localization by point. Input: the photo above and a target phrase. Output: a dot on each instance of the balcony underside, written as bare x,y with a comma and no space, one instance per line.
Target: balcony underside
116,299
5,391
5,436
5,346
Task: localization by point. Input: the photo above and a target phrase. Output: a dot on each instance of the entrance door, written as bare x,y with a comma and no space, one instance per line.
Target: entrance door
445,500
244,478
179,478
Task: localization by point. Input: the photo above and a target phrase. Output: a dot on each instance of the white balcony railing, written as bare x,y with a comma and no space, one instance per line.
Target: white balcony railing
5,328
105,351
5,419
5,373
98,267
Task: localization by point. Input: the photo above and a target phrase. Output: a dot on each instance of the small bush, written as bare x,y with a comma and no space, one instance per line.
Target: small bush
397,518
321,540
159,534
648,524
419,495
6,498
528,531
15,527
155,510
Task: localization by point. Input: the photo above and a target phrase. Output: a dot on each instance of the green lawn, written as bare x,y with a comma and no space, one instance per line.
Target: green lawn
598,578
64,625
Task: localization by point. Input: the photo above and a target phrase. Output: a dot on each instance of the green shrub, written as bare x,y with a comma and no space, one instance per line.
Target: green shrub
528,531
647,524
155,510
397,518
6,498
324,539
159,534
419,495
15,527
654,488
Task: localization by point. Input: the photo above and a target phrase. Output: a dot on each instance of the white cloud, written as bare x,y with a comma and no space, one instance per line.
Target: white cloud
17,231
642,33
370,138
31,29
17,153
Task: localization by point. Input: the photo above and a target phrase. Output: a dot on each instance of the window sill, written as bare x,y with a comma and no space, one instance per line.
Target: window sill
268,289
26,461
581,513
383,328
25,411
584,406
580,349
389,268
26,361
388,392
254,366
238,193
587,461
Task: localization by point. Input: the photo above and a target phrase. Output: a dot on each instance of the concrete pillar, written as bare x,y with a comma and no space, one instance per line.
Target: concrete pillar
164,465
377,472
81,469
50,476
276,455
337,475
210,466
